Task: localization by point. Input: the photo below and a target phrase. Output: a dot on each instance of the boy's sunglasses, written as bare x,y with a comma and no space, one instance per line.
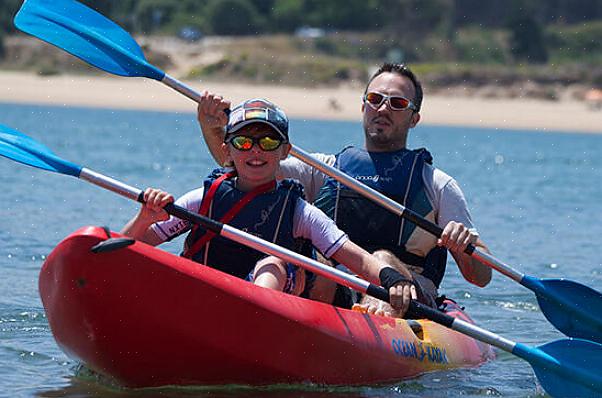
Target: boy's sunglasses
266,143
396,103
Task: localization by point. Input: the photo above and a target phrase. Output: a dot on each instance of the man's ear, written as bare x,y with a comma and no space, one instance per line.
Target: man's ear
415,119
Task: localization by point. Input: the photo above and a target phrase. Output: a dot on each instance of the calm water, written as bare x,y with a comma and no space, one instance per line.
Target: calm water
534,197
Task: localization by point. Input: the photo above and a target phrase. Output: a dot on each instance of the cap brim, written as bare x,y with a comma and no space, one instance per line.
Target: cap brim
244,123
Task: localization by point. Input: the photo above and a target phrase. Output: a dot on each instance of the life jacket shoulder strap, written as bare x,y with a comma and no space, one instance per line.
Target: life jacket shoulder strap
230,214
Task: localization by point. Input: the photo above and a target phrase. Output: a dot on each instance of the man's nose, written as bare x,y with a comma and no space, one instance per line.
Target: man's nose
384,107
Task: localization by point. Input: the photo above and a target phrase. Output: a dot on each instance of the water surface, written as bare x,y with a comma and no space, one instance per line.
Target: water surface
535,198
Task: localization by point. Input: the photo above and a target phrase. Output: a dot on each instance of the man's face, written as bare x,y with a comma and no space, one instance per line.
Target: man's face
386,129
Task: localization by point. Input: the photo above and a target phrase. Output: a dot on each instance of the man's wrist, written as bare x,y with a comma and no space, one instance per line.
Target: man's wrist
390,277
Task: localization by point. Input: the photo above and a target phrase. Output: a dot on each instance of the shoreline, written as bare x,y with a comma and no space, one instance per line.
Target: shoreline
342,104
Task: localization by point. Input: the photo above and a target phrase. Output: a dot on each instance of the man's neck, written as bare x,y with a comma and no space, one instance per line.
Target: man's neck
385,148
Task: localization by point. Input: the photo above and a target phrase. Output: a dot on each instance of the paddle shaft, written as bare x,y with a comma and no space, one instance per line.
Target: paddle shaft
368,192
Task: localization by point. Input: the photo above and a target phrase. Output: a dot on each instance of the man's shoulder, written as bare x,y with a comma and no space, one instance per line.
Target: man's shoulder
436,177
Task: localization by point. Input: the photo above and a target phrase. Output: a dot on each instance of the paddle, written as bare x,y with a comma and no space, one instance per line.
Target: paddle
574,309
569,367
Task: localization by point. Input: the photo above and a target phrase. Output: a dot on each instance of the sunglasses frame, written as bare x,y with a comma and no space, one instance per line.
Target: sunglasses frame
255,141
387,98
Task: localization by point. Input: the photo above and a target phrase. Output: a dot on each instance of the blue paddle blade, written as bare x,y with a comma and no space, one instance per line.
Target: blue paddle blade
86,34
23,149
573,308
575,369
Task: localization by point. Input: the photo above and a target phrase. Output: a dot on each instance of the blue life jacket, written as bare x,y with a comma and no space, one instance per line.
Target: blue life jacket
268,216
398,175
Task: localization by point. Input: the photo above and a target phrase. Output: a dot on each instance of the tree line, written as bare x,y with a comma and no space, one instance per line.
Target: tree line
244,17
406,22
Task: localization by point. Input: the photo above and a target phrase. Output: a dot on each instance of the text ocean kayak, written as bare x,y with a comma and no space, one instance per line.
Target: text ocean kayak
145,317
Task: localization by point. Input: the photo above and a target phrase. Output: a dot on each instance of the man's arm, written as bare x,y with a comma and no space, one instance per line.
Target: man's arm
472,269
458,232
212,120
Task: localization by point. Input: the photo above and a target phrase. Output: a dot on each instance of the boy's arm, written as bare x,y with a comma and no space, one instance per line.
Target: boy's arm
139,229
363,263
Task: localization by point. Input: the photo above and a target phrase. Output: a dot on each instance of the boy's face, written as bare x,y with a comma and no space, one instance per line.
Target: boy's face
256,166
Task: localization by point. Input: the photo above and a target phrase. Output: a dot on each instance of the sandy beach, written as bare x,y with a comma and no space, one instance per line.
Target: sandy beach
300,103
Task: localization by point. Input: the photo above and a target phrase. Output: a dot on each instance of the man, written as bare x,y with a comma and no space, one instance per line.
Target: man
391,107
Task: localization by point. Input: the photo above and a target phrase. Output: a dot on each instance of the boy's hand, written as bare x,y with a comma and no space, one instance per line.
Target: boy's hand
154,201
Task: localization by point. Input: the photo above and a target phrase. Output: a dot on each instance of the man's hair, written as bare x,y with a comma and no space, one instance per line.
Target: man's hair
401,70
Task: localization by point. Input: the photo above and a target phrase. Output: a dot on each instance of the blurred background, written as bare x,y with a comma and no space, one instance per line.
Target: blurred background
543,49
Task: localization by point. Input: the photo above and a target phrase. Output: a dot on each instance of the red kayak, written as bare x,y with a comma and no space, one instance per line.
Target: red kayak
145,317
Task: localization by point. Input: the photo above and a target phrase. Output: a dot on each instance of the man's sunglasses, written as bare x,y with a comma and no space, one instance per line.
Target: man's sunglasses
266,143
396,103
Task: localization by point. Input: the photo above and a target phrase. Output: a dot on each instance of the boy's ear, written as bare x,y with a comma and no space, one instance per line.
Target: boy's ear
287,149
225,148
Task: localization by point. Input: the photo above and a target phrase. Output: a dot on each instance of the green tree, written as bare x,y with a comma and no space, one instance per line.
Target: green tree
8,9
1,44
233,17
151,15
527,38
287,15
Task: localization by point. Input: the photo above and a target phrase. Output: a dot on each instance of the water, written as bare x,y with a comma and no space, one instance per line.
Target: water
534,197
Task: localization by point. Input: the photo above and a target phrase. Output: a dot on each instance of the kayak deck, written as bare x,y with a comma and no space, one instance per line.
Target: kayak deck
145,317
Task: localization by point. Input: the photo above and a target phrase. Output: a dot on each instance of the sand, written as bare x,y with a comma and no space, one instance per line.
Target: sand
299,103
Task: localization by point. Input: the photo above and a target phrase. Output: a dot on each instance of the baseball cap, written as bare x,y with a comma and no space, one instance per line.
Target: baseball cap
257,110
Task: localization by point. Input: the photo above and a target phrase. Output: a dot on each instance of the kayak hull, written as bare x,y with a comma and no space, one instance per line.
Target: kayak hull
144,318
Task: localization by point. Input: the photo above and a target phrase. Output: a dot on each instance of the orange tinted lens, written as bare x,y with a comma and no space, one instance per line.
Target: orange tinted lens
399,103
374,98
242,143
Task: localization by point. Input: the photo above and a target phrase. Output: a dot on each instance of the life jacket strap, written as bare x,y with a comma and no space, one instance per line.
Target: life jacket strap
230,214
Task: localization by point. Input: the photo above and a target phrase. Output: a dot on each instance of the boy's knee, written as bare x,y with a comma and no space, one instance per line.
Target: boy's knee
270,262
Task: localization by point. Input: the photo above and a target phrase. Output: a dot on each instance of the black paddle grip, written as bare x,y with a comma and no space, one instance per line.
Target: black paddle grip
378,292
184,214
430,227
418,310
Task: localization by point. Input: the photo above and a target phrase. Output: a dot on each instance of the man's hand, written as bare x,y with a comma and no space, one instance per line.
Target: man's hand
210,112
400,295
456,237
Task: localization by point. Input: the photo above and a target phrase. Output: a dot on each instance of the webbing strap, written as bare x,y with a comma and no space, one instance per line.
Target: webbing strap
230,214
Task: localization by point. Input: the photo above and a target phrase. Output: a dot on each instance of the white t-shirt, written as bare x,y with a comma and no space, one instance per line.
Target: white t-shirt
444,193
309,222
